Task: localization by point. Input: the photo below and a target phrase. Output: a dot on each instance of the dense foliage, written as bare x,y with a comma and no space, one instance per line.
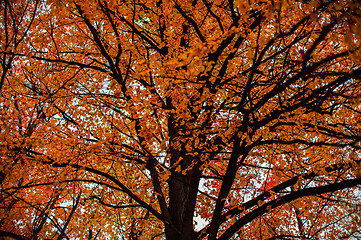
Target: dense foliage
167,119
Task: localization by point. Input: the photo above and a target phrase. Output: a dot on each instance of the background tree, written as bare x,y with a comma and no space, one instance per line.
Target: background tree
135,119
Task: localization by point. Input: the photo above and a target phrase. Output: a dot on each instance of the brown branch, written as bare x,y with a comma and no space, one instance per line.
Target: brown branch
277,189
286,199
191,21
12,235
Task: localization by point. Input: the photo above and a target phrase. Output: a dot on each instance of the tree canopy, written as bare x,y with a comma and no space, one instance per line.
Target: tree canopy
168,119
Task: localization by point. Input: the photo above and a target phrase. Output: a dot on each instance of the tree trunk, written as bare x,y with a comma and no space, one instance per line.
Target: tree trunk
182,199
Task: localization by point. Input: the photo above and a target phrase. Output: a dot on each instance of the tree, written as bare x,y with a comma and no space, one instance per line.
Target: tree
136,119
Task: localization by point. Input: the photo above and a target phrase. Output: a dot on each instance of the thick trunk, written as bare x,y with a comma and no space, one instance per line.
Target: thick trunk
187,229
178,193
182,200
183,183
